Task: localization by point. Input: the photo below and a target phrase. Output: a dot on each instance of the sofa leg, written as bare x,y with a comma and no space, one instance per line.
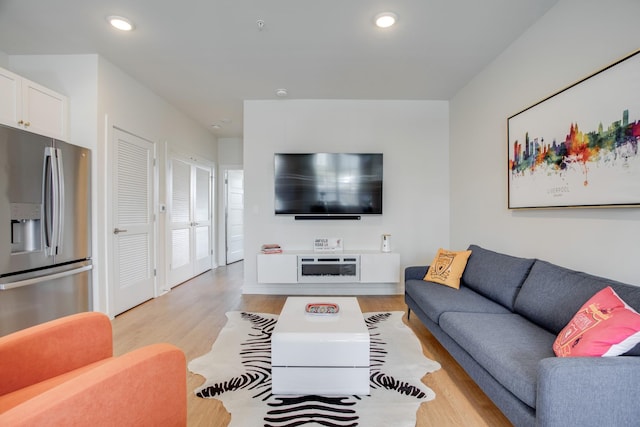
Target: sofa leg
408,313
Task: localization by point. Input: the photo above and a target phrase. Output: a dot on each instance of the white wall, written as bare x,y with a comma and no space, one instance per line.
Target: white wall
573,40
4,60
230,151
129,105
412,135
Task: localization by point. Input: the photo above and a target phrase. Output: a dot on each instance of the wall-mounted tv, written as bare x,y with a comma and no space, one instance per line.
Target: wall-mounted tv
328,184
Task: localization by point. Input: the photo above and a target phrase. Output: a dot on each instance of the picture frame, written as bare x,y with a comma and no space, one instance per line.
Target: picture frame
579,146
327,244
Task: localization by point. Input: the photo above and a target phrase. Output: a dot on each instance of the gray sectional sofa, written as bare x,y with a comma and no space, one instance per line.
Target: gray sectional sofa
500,326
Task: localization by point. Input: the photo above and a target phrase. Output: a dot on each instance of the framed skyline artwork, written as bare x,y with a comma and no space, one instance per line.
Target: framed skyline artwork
579,147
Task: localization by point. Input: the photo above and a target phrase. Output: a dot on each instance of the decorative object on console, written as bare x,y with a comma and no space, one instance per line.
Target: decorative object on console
604,326
327,244
579,147
447,267
322,308
271,248
386,243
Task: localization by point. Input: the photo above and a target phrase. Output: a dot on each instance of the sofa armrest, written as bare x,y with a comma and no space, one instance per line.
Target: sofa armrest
146,387
53,348
415,272
588,391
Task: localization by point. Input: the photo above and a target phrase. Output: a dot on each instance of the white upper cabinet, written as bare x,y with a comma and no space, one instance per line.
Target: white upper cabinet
10,93
30,106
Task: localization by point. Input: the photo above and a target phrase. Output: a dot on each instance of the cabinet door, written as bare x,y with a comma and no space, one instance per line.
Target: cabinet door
277,268
10,94
30,106
380,268
44,111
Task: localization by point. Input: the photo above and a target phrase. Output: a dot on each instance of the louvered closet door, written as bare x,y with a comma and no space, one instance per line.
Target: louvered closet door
189,220
180,212
133,231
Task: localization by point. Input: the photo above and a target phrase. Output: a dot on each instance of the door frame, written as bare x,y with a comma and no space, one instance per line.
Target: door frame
222,206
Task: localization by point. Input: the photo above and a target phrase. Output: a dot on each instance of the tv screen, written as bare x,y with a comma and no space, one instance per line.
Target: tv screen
328,183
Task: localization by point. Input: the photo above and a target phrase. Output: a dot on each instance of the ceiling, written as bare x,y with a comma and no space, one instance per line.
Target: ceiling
207,56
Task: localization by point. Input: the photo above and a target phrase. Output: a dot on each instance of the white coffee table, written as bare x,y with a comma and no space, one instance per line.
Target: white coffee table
320,354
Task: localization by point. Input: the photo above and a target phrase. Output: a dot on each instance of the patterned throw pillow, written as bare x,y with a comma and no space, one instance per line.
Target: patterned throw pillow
604,326
447,268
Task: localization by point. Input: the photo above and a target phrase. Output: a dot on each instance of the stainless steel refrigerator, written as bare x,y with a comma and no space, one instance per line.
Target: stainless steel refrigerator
45,229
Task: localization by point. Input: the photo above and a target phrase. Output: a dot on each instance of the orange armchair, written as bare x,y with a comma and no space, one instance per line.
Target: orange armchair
63,373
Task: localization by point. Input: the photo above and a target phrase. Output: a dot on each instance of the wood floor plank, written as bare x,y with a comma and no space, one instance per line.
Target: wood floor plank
192,315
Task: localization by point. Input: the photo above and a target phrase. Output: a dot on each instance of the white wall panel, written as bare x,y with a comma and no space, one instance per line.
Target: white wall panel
564,46
412,135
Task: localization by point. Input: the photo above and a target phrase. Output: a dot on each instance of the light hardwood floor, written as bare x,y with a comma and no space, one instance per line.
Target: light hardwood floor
192,314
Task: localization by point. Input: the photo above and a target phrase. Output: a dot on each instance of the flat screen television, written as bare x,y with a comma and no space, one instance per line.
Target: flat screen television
328,184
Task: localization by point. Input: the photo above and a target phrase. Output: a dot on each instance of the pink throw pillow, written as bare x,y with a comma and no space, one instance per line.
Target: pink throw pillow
604,326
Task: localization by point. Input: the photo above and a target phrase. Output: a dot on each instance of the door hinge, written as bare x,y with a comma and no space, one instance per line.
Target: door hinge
154,272
154,161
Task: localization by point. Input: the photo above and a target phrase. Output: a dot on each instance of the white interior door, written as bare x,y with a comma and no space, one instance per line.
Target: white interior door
190,219
234,223
179,210
202,219
133,221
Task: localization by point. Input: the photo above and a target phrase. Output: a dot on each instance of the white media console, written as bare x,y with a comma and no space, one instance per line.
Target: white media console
345,267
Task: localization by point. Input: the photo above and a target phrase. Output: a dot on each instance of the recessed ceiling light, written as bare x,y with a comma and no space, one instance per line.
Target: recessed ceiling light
385,19
121,23
216,126
281,93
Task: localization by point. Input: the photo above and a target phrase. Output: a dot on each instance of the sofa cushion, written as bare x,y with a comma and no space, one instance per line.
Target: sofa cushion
495,275
506,345
434,299
603,326
447,267
551,294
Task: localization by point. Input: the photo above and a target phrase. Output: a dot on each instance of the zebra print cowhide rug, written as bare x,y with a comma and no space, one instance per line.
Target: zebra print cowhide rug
238,372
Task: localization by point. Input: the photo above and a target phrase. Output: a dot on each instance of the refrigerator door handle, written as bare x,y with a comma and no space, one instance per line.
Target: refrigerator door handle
53,199
27,282
59,212
47,200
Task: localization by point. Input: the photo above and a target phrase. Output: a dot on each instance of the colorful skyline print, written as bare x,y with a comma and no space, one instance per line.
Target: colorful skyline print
618,143
579,147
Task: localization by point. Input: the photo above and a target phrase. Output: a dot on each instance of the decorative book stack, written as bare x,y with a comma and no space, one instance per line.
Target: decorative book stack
271,248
